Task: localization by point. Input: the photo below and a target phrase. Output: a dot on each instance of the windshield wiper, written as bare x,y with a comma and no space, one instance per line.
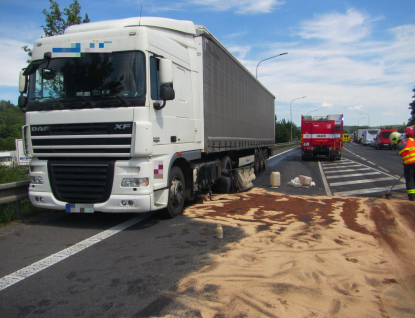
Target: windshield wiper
61,106
121,98
89,101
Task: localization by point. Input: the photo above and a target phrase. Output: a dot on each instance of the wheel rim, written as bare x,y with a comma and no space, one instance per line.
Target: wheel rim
176,192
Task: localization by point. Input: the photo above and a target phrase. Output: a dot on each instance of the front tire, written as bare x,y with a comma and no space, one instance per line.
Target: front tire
177,192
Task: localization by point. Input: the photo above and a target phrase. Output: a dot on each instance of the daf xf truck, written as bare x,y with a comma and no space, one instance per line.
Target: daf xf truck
139,114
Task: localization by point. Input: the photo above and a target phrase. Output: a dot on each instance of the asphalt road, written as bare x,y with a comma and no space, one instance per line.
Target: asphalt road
362,171
105,265
129,274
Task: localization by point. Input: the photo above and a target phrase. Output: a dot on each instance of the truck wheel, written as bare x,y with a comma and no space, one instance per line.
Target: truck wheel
176,192
257,161
262,159
226,163
265,154
224,184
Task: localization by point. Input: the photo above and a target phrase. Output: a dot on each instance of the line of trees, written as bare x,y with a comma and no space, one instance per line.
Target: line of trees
11,122
283,131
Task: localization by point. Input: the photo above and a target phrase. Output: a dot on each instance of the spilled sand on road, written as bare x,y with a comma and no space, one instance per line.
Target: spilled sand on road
303,257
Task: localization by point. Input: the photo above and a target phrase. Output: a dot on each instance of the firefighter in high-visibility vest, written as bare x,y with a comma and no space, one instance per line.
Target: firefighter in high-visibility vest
406,147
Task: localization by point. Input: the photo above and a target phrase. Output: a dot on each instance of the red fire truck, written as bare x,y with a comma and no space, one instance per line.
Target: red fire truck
321,136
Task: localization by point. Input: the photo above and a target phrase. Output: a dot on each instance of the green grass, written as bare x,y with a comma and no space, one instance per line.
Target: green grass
7,210
26,210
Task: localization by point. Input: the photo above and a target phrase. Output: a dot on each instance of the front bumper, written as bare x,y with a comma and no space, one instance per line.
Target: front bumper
320,152
134,204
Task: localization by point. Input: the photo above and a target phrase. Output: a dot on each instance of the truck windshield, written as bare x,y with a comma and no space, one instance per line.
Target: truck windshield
93,80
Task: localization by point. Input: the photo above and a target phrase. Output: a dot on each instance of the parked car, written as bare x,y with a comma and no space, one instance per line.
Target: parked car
382,139
373,142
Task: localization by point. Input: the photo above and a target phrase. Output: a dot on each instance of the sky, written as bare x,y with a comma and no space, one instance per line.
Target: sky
351,57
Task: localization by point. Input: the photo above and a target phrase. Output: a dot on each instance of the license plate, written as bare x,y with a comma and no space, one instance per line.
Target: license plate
79,208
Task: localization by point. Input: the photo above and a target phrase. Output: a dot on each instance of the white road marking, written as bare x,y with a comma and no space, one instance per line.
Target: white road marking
34,268
364,191
340,168
336,163
323,177
335,184
281,153
353,175
384,169
335,171
348,170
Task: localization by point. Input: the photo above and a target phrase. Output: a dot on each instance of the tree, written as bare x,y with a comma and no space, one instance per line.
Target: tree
283,131
56,24
11,122
411,121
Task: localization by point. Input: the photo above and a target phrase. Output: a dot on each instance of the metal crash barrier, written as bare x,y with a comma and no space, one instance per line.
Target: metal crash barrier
14,192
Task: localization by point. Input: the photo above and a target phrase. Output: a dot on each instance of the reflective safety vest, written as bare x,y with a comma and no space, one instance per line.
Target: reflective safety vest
408,153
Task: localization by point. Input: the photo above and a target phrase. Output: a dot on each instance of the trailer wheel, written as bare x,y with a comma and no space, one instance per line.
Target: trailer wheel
265,155
224,184
261,160
226,163
176,192
256,162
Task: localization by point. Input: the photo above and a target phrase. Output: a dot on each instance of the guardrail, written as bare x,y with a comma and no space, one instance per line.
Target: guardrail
290,143
14,192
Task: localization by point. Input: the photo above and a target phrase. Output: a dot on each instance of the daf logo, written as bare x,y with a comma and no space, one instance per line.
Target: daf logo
40,128
122,126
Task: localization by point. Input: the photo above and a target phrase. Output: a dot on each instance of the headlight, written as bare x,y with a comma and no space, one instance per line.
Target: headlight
306,144
36,180
134,182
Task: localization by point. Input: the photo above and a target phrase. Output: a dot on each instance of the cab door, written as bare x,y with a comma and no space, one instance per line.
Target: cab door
173,123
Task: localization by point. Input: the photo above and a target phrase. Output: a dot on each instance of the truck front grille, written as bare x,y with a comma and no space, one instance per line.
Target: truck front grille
75,140
81,182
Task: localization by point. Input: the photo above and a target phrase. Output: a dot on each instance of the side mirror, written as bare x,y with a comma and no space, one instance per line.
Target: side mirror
166,71
22,101
22,82
167,93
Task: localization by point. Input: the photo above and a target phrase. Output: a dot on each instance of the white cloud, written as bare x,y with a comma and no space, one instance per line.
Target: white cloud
355,107
354,74
326,105
10,51
241,6
239,52
349,27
